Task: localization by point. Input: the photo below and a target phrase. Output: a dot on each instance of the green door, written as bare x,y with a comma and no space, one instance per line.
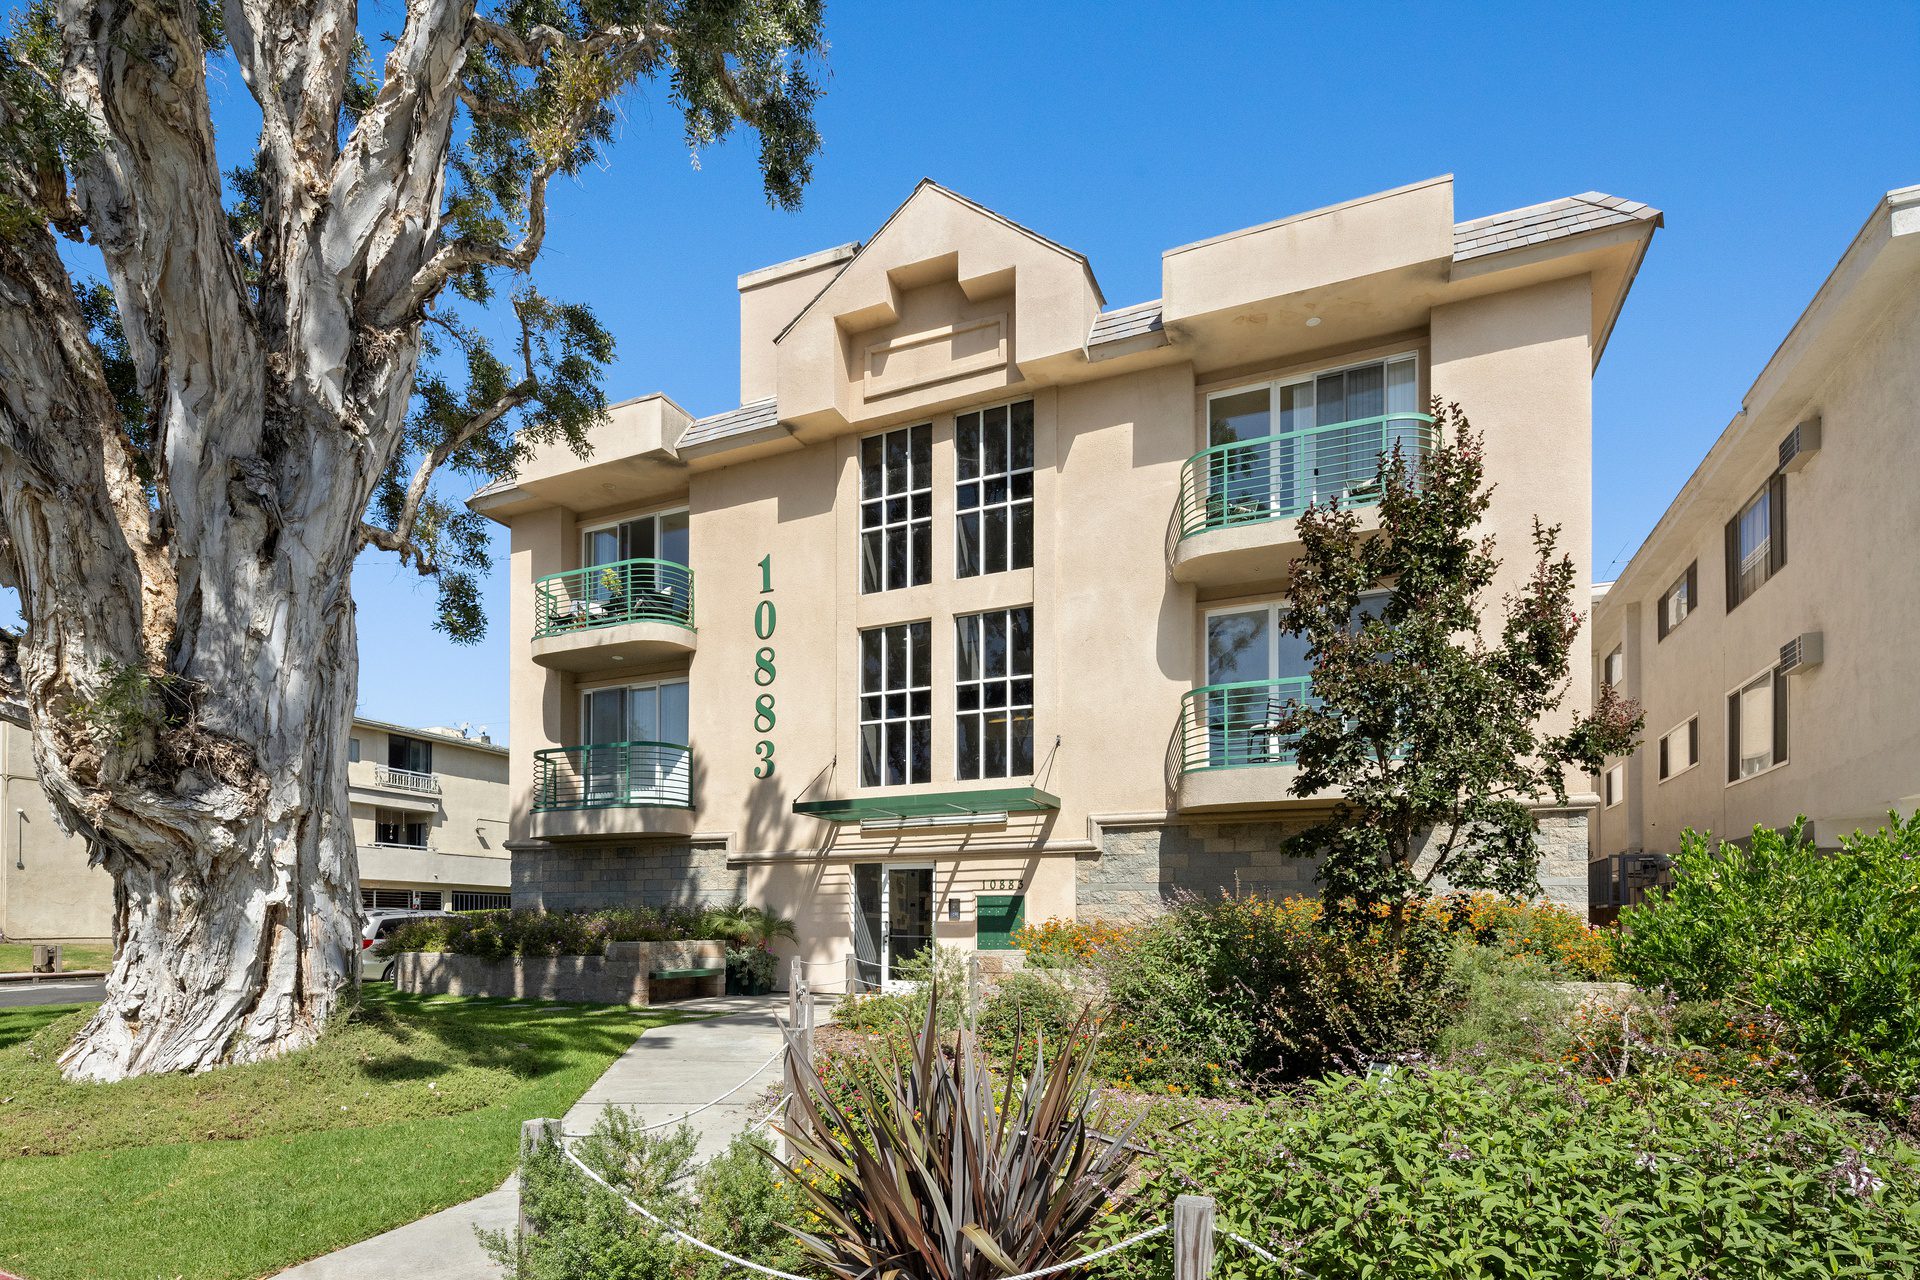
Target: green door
998,917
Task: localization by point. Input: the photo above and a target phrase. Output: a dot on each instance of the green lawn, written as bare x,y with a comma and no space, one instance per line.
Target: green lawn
409,1106
17,957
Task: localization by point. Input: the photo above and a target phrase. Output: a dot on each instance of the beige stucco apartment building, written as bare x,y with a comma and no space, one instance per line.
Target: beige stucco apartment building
967,614
1770,625
429,811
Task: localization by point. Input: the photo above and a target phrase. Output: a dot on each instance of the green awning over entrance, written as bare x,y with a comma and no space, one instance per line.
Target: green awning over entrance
930,804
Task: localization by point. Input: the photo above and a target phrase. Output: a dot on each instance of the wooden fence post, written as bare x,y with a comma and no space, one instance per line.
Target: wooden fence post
1192,1237
534,1134
799,1041
852,983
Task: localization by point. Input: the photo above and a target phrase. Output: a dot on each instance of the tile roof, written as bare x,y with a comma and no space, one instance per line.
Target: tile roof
734,422
1569,216
1125,322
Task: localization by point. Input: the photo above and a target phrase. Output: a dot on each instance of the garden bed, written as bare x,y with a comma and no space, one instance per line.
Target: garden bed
623,975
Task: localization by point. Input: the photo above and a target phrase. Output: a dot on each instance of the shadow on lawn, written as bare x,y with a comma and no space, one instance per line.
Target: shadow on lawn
20,1023
526,1040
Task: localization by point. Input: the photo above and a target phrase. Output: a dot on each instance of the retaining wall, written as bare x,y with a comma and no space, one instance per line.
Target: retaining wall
622,976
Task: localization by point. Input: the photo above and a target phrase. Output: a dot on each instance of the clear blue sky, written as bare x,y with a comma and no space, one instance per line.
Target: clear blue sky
1764,131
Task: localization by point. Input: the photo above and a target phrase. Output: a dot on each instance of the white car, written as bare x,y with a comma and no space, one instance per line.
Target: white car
377,925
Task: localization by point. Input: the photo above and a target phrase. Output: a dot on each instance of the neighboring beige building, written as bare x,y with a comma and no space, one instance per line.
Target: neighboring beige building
429,813
1770,625
987,570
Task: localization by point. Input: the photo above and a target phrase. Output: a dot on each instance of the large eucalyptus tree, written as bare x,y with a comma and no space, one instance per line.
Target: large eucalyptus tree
194,452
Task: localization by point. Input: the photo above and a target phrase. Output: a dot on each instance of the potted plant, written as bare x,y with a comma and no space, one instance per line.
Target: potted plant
750,971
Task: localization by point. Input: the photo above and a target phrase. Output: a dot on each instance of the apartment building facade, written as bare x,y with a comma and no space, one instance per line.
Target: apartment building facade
967,615
1770,624
430,821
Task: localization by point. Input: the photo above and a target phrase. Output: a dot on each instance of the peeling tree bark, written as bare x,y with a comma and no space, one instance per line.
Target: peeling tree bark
188,666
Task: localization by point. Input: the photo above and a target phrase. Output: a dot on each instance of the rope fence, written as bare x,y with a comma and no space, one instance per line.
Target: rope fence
1192,1225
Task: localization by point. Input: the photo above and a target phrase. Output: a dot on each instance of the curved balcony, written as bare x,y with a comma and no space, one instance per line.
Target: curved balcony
1236,520
630,610
612,789
1230,749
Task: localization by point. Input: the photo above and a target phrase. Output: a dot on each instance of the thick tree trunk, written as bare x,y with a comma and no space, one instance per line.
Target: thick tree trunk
236,933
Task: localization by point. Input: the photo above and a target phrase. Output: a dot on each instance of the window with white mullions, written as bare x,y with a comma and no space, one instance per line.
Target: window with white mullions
896,705
993,492
993,694
400,828
896,509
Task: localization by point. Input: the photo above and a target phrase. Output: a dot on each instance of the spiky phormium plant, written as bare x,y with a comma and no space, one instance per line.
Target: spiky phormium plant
930,1168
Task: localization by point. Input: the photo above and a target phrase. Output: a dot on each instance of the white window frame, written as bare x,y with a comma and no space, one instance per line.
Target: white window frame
1010,680
586,696
1005,511
1774,675
1613,793
1618,654
1686,735
1274,385
886,528
599,526
903,724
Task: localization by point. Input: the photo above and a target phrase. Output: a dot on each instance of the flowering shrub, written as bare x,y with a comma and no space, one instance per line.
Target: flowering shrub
1521,1172
1566,946
1819,949
532,932
1070,941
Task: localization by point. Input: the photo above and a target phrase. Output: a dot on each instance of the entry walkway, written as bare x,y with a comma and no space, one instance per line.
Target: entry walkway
664,1074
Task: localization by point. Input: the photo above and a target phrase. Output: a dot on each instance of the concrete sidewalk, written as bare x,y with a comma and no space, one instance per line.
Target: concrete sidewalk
664,1074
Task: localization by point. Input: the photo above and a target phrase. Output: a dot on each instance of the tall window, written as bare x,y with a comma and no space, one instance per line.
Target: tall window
896,509
1677,603
1616,668
1680,749
896,705
993,495
412,754
1757,726
1757,541
398,827
1307,440
993,694
1616,785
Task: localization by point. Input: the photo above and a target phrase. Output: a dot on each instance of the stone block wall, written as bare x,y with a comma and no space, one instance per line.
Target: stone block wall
622,976
565,877
1140,869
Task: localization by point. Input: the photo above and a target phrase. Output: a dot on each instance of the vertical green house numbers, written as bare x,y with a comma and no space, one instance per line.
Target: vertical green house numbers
764,619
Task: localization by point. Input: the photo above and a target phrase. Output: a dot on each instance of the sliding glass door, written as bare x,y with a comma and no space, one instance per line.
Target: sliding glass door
636,750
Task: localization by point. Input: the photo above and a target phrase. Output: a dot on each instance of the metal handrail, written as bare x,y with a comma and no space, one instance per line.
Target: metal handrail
606,595
1278,477
1237,724
614,775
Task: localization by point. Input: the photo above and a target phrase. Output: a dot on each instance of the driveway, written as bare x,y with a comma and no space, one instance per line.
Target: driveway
15,995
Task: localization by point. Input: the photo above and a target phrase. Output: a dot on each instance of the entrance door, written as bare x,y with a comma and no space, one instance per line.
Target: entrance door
892,918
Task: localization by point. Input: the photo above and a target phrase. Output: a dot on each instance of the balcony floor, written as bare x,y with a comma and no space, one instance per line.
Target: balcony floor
595,648
612,823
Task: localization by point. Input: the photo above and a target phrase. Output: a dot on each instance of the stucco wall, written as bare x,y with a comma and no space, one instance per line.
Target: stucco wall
1853,735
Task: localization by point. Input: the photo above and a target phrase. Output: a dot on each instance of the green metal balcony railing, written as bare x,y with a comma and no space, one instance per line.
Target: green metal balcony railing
606,595
614,775
1230,726
1278,477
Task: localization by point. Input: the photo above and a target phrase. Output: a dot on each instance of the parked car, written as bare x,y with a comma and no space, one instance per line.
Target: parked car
378,924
